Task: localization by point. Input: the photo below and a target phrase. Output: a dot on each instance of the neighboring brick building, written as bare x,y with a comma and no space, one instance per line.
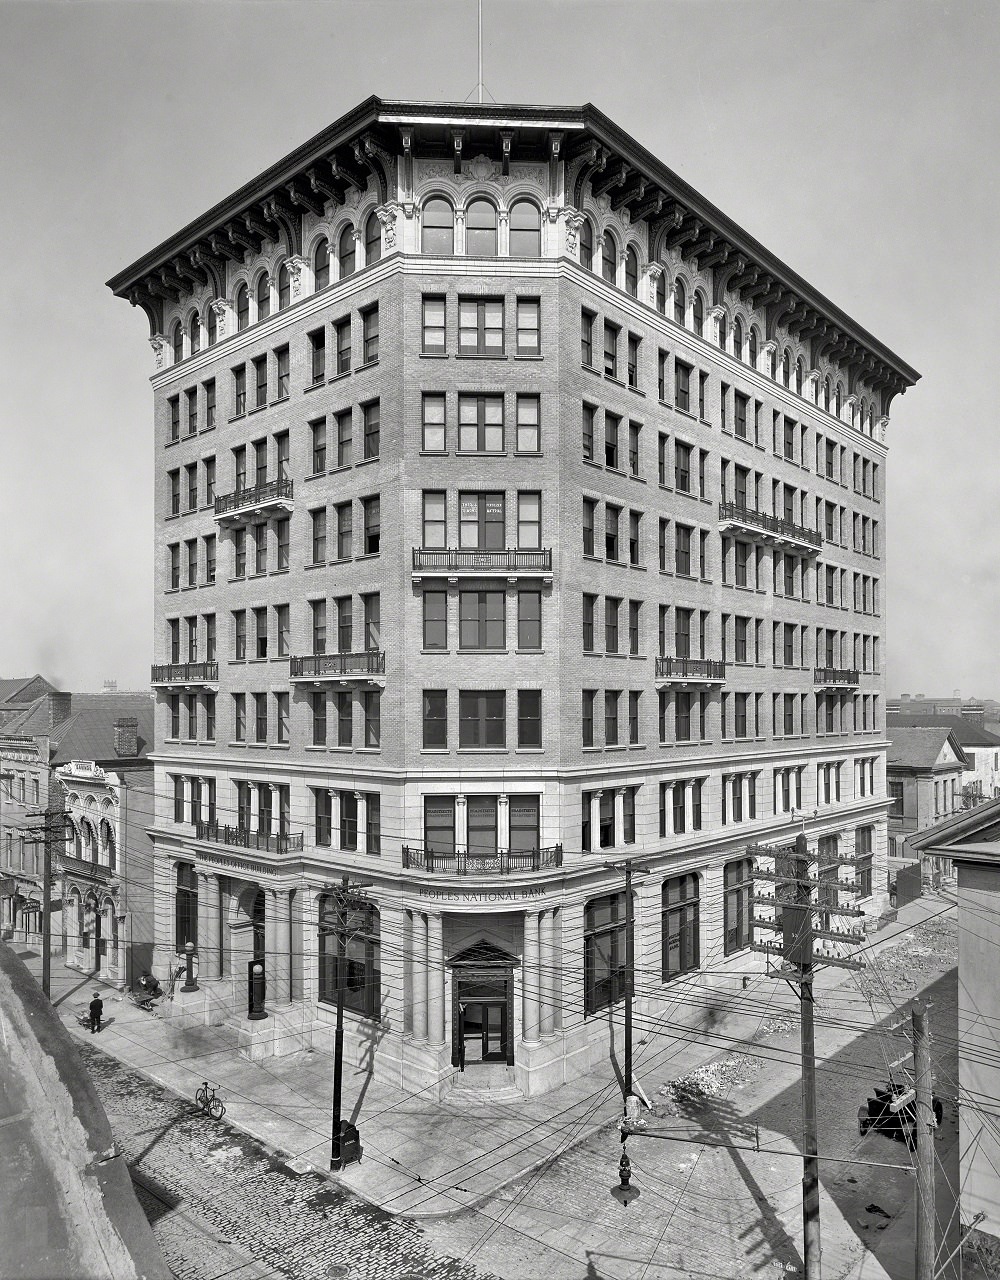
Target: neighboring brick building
924,779
95,746
515,510
981,748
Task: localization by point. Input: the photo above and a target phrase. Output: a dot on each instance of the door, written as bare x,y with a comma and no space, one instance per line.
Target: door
483,1029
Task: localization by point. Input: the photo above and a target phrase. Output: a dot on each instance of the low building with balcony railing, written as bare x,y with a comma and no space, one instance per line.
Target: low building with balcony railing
773,531
464,862
836,678
457,562
185,675
678,672
244,505
241,838
367,667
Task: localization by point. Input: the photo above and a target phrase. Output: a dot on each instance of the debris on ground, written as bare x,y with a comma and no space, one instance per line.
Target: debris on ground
711,1081
903,964
877,1209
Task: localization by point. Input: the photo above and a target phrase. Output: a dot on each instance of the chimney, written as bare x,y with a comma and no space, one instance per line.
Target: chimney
60,707
127,736
110,686
904,697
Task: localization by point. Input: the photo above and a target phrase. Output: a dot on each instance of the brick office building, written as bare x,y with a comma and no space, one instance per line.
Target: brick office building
515,512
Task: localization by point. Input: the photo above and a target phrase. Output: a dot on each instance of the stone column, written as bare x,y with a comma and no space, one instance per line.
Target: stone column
334,819
619,817
419,970
461,824
310,945
595,821
669,810
688,805
745,790
279,978
547,960
362,802
208,925
435,979
503,822
529,979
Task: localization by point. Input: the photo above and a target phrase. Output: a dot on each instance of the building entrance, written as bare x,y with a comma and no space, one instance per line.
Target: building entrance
483,1007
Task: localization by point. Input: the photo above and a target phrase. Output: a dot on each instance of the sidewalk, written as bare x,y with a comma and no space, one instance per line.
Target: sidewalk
421,1158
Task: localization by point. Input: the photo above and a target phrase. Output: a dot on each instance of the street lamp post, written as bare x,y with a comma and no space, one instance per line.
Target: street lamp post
342,894
190,981
628,866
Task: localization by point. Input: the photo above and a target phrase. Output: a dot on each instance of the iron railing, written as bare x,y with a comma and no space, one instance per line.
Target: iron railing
371,663
452,559
241,838
690,669
504,862
271,491
184,673
836,675
770,524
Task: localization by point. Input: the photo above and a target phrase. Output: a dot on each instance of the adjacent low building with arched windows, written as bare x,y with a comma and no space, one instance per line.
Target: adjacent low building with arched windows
524,515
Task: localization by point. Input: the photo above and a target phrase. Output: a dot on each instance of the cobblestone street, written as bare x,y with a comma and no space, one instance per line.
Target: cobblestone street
221,1204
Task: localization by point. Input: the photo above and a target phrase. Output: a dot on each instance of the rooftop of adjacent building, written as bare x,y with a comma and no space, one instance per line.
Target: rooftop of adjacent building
920,746
102,727
967,732
972,835
367,140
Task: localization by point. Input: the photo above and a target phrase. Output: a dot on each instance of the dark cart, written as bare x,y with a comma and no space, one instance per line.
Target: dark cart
893,1111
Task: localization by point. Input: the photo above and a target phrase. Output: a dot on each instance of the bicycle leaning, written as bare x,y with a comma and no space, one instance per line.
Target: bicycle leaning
207,1101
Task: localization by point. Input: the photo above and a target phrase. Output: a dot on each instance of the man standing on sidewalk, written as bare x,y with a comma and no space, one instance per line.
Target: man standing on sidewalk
96,1012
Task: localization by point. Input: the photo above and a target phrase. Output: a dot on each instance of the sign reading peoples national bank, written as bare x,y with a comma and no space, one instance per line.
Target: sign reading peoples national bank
481,895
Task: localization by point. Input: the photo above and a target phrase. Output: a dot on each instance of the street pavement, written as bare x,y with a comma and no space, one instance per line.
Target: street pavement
525,1190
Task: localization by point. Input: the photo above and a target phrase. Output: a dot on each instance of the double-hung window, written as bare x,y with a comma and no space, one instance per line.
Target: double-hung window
482,521
480,326
342,335
482,718
480,424
529,521
433,422
369,332
611,334
679,926
371,417
433,326
528,425
317,351
481,619
435,526
529,327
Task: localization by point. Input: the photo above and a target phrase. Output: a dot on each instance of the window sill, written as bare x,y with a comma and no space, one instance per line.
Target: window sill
191,586
315,386
338,377
280,400
434,751
527,453
686,412
365,462
275,572
433,355
368,364
519,355
480,355
610,377
237,416
529,751
589,368
616,746
258,408
637,391
320,564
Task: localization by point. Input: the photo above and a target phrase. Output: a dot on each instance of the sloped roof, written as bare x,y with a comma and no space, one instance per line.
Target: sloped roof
967,733
971,826
31,722
10,687
88,733
918,747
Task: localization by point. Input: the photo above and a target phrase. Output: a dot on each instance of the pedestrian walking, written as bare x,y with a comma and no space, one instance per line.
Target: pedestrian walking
96,1012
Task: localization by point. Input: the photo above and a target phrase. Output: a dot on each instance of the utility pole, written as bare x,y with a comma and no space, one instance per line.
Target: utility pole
795,921
924,1127
122,870
343,897
627,866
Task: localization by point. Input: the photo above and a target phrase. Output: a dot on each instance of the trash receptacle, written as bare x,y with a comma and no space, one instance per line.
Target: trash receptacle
350,1143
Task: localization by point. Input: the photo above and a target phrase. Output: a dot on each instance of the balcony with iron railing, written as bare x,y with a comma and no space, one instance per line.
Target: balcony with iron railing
462,862
241,838
836,678
245,504
773,530
453,562
689,671
367,667
185,674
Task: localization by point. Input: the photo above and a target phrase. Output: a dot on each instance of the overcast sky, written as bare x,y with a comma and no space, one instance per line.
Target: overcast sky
856,140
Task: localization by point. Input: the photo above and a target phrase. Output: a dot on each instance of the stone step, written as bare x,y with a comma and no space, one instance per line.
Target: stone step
462,1097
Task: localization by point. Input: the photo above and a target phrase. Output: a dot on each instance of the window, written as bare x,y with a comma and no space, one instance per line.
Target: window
589,698
284,287
609,258
263,296
317,706
192,411
529,327
682,467
864,845
281,717
589,523
371,419
346,251
480,424
318,518
682,550
679,925
661,292
321,265
529,619
239,552
317,432
586,245
242,307
191,480
682,386
373,239
177,342
525,230
361,979
589,611
435,619
752,348
605,976
631,272
344,530
434,520
433,326
369,335
344,704
432,423
529,718
738,887
529,521
482,719
185,902
342,336
435,717
282,629
611,332
259,548
344,422
633,360
260,633
345,624
437,227
481,620
698,315
371,707
260,717
481,327
439,824
634,521
210,557
239,390
634,431
281,535
192,562
611,516
239,717
175,419
587,319
482,521
528,425
611,698
480,230
633,716
611,609
175,492
260,381
741,416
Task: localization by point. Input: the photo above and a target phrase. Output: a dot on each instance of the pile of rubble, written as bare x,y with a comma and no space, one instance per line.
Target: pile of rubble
714,1080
